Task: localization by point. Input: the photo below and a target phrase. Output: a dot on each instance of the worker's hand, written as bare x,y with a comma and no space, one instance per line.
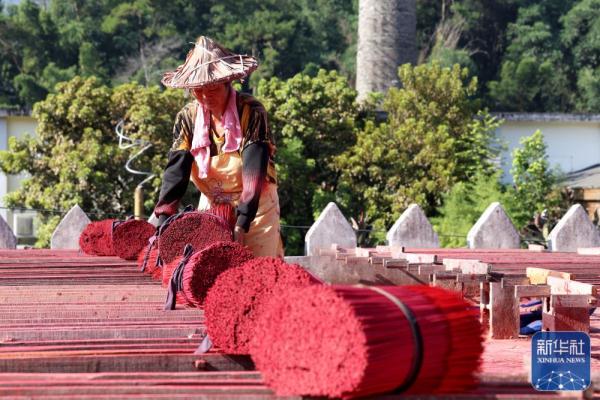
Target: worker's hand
238,235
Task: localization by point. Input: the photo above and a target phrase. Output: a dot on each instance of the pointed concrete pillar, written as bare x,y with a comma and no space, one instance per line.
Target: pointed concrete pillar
574,230
412,229
330,228
8,240
493,230
66,234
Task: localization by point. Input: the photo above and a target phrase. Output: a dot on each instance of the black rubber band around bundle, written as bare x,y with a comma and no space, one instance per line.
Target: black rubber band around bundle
416,333
164,226
118,222
174,218
151,242
176,282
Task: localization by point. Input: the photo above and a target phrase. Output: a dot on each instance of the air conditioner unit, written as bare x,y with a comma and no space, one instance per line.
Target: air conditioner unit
23,225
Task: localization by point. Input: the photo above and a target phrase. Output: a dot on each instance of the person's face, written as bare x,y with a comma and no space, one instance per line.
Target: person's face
212,96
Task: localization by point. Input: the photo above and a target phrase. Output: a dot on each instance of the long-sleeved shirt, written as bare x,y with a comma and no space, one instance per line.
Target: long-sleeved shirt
256,151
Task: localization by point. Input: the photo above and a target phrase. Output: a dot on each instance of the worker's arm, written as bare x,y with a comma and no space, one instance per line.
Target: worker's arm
255,160
179,166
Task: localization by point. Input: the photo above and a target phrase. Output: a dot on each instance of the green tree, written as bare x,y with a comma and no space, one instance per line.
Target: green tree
313,119
148,114
120,41
581,35
485,24
464,204
533,178
74,158
533,202
435,136
287,36
534,74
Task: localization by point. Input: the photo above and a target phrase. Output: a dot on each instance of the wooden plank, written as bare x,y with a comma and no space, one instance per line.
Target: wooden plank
378,259
421,258
447,280
504,313
589,251
536,247
566,319
356,260
532,291
517,279
400,263
538,276
214,361
466,266
430,268
364,252
94,363
563,286
572,300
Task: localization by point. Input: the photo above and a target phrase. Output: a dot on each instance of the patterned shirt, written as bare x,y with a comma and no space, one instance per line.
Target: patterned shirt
256,150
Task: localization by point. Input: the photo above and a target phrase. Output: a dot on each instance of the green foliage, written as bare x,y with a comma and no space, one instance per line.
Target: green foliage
435,136
581,34
287,36
74,159
464,204
119,41
485,32
447,57
313,119
534,203
533,75
533,178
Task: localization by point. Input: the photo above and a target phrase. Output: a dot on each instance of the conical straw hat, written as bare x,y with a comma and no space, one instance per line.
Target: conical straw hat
209,63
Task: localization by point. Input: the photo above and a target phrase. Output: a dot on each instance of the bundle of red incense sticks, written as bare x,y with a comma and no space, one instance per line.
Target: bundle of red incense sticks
130,237
234,302
148,260
204,266
358,341
185,230
96,238
226,212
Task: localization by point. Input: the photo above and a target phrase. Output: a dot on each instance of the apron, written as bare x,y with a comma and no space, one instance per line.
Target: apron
223,184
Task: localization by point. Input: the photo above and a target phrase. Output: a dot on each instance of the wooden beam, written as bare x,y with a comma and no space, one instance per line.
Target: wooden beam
538,276
563,286
504,313
466,266
589,251
532,291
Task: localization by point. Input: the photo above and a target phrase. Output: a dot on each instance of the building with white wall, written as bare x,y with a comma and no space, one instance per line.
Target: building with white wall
573,140
573,145
15,124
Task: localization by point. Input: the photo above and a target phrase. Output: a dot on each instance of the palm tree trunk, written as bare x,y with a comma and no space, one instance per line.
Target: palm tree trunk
387,31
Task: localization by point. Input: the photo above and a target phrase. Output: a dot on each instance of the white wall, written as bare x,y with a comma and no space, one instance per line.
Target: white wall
3,177
572,145
17,126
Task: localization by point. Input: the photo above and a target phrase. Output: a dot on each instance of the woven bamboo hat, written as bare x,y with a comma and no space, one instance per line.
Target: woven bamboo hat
209,63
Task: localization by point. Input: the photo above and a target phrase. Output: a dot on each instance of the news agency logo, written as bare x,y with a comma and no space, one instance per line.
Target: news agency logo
560,361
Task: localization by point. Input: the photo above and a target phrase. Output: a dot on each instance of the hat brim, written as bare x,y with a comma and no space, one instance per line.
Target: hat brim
188,77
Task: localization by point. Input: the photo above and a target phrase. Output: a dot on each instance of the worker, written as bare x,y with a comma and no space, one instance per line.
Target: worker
222,141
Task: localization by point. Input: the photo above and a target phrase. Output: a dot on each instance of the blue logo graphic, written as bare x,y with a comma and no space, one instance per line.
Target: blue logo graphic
560,361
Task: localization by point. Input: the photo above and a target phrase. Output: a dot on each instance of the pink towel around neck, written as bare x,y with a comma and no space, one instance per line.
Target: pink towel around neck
201,140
